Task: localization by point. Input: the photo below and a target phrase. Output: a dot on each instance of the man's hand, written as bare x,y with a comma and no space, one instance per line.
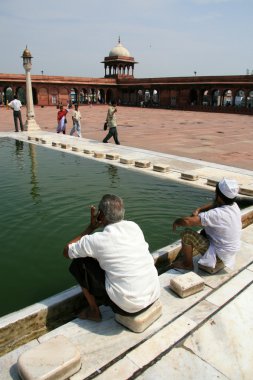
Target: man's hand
187,221
95,218
177,224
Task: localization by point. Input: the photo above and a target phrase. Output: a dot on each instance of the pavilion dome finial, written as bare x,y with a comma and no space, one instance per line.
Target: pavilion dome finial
119,50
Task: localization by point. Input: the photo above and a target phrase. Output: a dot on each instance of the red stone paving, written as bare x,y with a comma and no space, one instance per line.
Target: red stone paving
221,138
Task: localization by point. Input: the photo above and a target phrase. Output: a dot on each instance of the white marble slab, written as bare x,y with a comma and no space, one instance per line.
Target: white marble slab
225,341
231,288
247,234
250,267
200,312
122,369
160,342
181,364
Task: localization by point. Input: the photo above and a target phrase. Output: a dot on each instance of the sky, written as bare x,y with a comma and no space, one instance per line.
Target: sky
168,38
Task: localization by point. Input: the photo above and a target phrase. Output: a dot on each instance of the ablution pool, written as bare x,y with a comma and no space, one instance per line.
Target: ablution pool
45,199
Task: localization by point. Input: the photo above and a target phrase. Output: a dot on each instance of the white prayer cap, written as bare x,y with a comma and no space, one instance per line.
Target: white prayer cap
229,187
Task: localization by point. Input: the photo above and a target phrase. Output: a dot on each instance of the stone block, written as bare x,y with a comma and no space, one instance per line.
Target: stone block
189,176
142,321
76,149
55,359
187,284
37,139
112,156
246,190
55,143
99,154
143,164
125,160
88,151
219,266
161,168
65,146
212,181
43,141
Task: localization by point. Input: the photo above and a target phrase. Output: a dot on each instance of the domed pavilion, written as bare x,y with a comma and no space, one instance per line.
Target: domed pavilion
119,63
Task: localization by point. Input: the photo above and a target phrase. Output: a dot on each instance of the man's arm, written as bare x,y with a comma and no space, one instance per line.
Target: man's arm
206,207
95,222
187,221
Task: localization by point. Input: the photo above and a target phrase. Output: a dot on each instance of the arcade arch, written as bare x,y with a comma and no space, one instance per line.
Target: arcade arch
193,97
8,94
73,95
109,96
240,98
155,97
227,98
250,99
20,91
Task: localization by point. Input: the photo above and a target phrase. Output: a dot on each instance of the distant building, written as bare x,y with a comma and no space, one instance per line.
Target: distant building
202,93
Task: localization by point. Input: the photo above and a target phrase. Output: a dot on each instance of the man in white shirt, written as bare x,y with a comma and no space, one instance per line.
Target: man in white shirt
76,117
114,266
16,105
221,235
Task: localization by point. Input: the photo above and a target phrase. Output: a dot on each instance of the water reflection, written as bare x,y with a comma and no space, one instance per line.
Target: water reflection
19,154
34,180
113,175
19,147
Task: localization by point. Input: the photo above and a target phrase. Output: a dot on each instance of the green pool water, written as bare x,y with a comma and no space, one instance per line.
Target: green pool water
45,199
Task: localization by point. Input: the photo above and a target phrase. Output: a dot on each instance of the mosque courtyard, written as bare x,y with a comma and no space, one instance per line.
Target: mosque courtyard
225,139
206,335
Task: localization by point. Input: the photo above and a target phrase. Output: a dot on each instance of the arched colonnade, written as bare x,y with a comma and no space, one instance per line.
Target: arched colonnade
54,95
169,97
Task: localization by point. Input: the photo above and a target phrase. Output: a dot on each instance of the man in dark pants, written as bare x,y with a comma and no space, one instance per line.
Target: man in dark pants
16,105
112,124
114,266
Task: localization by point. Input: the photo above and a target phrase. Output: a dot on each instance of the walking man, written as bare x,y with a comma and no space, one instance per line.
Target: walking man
76,117
112,124
16,105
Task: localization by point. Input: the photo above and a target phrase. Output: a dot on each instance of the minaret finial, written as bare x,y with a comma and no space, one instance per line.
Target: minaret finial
119,39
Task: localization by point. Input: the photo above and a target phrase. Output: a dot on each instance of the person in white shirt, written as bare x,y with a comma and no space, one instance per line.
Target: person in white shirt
16,105
76,117
114,266
221,235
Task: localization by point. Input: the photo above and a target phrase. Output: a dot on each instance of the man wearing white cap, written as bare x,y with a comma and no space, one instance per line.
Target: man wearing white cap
222,230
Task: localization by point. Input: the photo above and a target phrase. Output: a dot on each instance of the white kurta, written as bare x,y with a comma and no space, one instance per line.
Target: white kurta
223,227
131,279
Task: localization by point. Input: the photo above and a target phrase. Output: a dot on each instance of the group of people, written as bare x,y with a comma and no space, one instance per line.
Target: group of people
114,267
62,120
111,121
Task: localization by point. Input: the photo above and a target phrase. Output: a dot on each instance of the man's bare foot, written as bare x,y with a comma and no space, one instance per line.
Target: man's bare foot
91,315
181,265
